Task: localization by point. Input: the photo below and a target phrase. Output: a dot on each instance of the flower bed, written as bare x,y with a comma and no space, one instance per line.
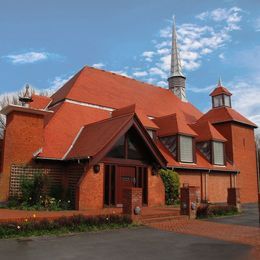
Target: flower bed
210,211
76,223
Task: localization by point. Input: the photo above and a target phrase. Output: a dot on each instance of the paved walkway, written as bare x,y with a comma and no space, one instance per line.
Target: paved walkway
225,232
249,217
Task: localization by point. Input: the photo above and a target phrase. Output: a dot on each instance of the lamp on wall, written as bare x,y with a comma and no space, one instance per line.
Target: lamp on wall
96,168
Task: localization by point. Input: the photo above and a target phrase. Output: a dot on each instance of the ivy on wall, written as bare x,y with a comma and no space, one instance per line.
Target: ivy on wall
171,182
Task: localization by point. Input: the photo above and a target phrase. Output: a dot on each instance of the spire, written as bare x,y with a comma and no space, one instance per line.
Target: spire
177,79
176,69
219,82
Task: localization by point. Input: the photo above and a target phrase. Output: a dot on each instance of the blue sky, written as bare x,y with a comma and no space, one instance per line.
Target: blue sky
45,42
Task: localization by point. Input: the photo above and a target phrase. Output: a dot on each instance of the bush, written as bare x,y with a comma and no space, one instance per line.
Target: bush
209,211
33,189
172,185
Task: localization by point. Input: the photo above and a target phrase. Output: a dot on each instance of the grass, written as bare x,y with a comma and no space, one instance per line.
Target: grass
64,225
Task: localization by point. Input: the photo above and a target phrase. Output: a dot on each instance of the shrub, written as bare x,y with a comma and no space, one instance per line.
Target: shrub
62,225
172,185
209,211
33,189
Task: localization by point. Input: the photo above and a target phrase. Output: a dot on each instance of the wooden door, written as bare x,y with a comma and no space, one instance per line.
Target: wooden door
126,177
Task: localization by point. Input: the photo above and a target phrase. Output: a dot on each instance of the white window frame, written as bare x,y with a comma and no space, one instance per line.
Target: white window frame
183,157
216,158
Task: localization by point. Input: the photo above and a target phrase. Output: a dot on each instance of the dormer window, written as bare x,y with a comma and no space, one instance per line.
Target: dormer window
213,151
218,153
180,146
186,149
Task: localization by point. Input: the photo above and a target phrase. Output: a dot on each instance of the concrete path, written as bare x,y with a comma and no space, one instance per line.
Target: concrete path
134,244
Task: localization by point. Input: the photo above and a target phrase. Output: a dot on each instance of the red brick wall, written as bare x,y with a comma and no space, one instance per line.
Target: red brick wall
1,154
23,136
218,183
90,194
156,191
194,179
244,155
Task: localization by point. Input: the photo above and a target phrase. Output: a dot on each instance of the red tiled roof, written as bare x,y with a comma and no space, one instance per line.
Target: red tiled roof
108,89
220,90
225,114
147,123
94,137
40,102
62,128
173,124
206,132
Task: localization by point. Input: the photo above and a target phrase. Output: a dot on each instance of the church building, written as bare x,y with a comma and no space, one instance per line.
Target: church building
102,132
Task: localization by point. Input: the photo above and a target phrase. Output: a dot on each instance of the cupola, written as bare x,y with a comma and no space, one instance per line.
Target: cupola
221,97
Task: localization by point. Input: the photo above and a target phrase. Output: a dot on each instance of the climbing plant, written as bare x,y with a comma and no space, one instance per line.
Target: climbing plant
171,182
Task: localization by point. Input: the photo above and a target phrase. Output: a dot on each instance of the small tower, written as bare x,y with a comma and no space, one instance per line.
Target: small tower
221,97
177,79
26,99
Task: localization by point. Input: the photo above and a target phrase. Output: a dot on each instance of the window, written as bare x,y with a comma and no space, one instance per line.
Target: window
186,149
170,142
227,101
118,150
205,149
130,146
217,101
218,153
151,133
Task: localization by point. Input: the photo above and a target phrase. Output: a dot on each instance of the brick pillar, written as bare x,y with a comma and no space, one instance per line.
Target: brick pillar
132,198
234,198
190,199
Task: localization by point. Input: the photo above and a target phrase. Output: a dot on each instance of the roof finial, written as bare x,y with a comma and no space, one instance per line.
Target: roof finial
26,99
219,82
176,68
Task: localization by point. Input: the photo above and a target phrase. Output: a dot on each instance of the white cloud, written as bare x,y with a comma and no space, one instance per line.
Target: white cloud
56,83
221,56
27,57
148,55
157,71
196,41
122,73
98,65
140,74
257,24
231,16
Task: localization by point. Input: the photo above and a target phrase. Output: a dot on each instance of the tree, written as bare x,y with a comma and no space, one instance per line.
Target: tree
13,99
6,100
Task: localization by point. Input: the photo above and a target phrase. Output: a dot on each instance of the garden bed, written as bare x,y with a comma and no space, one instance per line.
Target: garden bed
63,225
211,211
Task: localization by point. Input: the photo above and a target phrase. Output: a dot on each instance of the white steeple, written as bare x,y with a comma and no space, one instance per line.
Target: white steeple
176,69
176,79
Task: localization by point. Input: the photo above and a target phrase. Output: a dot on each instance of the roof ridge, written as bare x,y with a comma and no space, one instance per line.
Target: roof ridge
128,77
108,119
